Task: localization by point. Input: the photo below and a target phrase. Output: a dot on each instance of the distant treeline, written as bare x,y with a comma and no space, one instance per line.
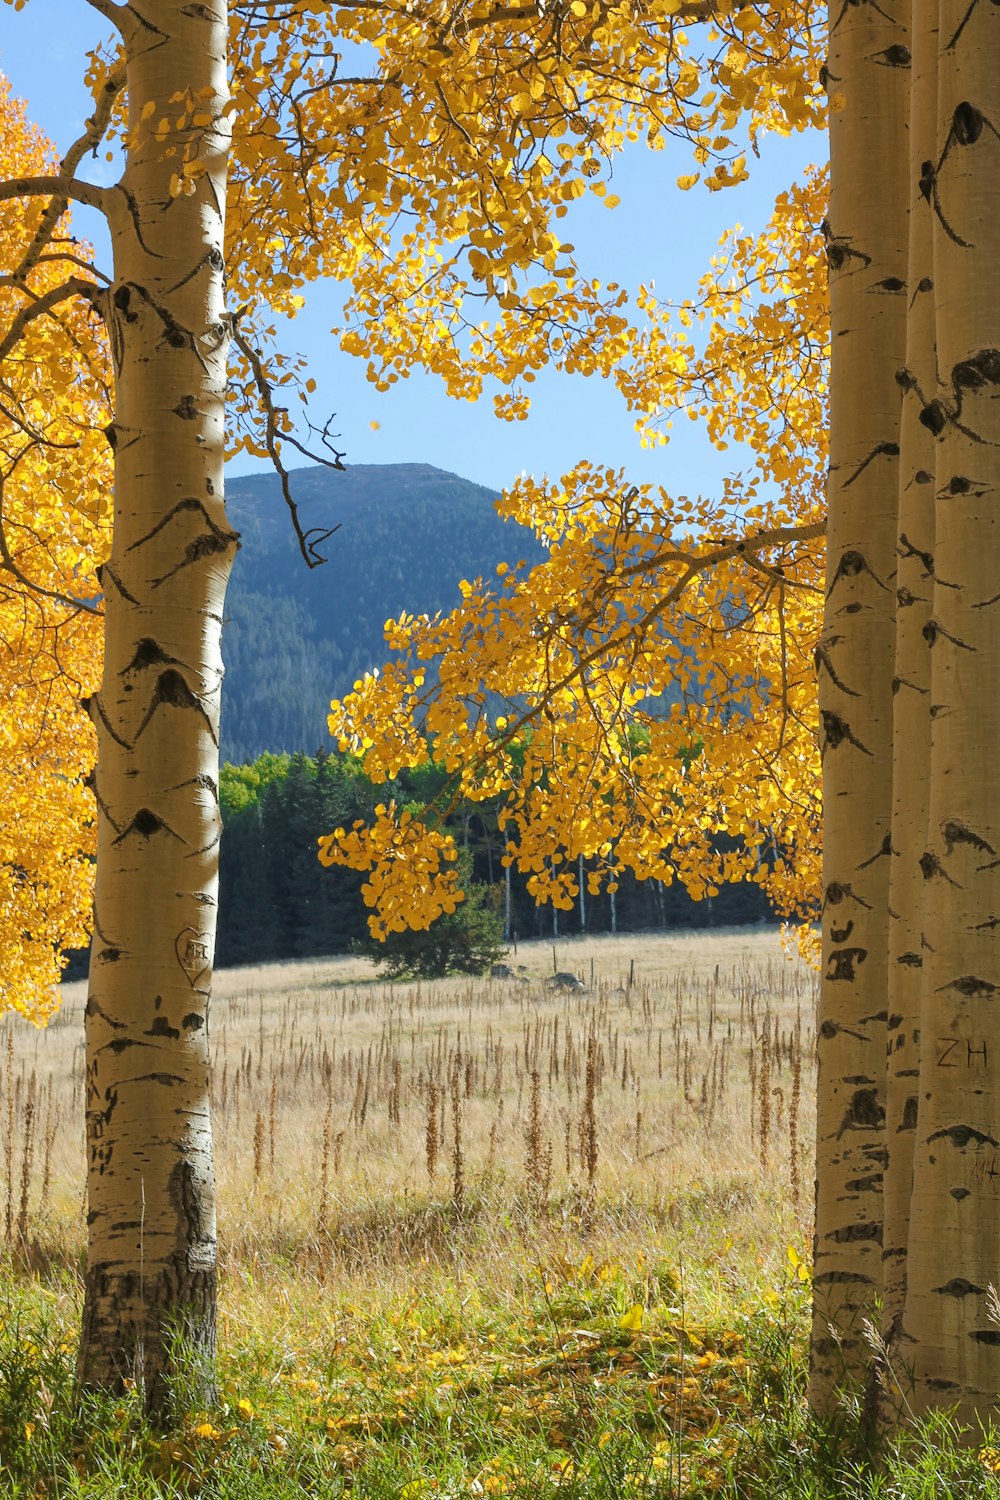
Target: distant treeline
278,901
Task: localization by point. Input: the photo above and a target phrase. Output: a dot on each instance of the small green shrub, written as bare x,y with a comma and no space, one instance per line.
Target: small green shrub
468,940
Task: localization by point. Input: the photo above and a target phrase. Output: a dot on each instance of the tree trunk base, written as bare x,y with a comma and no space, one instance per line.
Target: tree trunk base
133,1337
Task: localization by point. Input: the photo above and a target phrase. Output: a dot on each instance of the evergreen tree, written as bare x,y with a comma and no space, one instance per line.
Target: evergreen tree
467,940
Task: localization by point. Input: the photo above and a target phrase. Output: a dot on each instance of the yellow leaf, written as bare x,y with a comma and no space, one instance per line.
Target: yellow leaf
632,1321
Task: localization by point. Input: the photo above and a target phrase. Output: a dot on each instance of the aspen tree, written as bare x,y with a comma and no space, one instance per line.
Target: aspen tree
151,1271
911,689
953,1337
639,596
150,1277
868,78
907,659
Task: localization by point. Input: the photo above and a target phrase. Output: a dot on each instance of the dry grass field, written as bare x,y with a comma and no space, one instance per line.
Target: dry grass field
478,1238
364,1128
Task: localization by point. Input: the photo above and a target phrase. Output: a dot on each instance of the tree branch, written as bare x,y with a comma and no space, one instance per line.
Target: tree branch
90,139
697,10
16,420
118,15
309,540
8,563
77,286
725,551
55,187
51,257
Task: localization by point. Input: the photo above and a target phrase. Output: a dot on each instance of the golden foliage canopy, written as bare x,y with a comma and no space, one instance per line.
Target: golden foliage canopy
438,149
426,155
54,518
655,672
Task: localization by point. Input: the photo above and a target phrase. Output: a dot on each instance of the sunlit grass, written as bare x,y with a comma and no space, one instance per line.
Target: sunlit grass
640,1330
590,1378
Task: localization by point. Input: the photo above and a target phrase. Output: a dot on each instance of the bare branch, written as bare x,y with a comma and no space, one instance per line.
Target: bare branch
92,136
309,540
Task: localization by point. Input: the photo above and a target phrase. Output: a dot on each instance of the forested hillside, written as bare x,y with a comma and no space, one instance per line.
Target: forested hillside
297,637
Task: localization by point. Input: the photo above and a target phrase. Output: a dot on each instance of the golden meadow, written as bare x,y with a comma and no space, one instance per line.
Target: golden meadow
361,1124
477,1236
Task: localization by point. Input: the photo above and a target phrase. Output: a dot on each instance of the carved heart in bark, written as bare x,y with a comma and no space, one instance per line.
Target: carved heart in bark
194,953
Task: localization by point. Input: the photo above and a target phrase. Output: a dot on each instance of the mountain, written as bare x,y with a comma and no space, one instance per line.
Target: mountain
296,637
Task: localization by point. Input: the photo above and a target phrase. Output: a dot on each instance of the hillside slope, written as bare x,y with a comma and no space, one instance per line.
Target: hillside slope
295,637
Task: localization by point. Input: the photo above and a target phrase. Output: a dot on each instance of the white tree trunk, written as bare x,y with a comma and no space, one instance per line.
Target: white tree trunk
869,91
911,689
954,1250
151,1272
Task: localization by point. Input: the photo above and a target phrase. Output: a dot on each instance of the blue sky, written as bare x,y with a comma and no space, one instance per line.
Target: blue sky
657,234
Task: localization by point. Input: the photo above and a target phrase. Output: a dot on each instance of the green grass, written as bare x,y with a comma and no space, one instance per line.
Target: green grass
580,1378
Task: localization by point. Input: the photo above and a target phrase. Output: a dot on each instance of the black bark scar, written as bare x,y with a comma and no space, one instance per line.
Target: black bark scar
146,823
961,1135
837,731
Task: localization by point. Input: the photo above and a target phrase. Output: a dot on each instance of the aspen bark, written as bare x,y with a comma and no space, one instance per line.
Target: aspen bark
954,1238
911,689
151,1271
868,84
